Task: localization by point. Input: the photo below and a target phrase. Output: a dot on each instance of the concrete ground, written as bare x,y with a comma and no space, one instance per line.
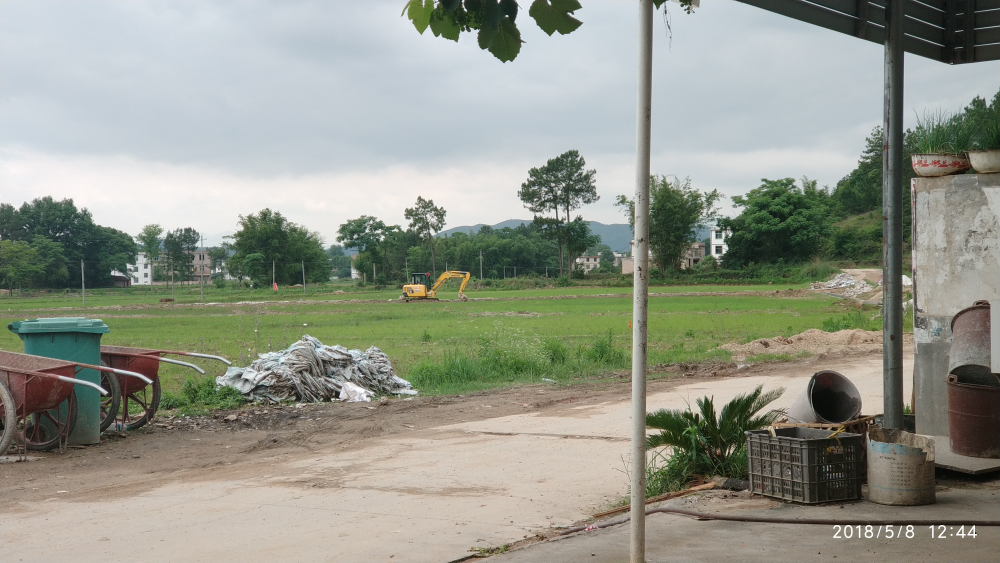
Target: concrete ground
429,494
671,537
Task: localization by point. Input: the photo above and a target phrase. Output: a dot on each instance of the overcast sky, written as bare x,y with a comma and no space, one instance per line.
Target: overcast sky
191,113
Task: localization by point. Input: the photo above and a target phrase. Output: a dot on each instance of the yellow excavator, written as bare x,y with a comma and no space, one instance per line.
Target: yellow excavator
417,290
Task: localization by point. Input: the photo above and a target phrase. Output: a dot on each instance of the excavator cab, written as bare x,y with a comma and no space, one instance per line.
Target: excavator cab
417,288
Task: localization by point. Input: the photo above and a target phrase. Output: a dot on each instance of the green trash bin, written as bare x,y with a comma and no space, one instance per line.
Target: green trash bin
74,339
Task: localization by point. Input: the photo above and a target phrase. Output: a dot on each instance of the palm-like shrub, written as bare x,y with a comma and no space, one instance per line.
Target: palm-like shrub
706,443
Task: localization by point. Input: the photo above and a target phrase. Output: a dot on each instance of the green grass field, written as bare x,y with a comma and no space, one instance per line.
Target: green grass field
682,328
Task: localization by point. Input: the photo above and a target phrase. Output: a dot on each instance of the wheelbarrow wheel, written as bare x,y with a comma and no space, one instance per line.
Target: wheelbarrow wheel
8,420
42,430
111,402
139,407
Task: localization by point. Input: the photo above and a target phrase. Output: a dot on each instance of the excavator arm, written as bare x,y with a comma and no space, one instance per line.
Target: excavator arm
445,276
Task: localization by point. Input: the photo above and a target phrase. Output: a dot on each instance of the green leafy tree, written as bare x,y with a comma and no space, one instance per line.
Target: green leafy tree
150,243
52,260
561,185
284,246
218,255
179,246
426,220
19,263
339,261
676,212
779,222
494,20
579,238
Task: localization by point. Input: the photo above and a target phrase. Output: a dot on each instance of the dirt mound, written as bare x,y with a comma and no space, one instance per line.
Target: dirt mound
813,341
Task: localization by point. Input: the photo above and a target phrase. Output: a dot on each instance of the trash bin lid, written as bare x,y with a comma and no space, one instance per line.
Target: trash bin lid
59,324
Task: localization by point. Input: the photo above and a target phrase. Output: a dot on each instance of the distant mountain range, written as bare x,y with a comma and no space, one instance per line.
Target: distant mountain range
617,235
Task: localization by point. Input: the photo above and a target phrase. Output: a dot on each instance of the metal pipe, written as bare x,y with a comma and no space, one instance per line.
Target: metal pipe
892,219
56,376
178,362
116,371
640,291
132,374
206,356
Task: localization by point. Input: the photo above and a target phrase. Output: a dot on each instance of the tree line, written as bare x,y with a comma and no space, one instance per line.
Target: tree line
45,243
550,242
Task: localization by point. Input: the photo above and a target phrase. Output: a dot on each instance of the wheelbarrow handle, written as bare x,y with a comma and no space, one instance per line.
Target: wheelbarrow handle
180,363
132,374
117,371
206,356
59,377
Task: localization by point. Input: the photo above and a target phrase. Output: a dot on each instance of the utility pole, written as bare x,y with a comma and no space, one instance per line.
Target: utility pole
480,264
273,279
201,269
640,293
373,272
892,216
83,285
171,283
303,277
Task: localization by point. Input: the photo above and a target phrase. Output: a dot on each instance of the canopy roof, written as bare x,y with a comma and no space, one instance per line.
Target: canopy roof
948,31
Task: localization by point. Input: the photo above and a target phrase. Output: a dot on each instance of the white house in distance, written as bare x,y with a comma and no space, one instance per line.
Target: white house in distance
141,272
717,243
588,263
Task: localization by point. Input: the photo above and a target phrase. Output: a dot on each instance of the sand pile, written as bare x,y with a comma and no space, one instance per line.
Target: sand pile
813,340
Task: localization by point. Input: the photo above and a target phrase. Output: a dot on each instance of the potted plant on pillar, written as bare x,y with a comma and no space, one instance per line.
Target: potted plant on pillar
941,141
985,158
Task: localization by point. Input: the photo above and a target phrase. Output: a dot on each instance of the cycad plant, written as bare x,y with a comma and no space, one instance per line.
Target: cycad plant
706,443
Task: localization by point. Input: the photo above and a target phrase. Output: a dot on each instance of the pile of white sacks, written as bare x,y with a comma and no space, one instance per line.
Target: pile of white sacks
309,371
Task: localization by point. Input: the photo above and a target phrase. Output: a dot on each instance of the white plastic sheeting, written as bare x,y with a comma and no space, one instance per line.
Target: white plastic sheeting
309,371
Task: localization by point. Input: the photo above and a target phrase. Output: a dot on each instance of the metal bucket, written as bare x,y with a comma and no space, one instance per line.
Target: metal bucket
970,345
900,468
829,397
973,418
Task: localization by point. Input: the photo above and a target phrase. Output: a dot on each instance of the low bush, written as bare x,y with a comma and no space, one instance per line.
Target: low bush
702,444
201,394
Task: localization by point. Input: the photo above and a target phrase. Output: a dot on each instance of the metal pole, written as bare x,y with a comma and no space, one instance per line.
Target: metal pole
480,264
892,220
201,269
303,277
273,278
640,291
83,285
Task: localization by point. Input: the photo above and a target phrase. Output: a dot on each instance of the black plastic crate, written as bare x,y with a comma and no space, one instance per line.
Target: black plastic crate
805,465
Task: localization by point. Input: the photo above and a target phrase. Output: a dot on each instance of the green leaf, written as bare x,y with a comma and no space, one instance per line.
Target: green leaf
443,25
450,5
507,42
491,14
419,12
486,37
554,16
509,7
568,5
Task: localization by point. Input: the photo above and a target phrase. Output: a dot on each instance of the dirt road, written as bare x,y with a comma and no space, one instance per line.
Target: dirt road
416,480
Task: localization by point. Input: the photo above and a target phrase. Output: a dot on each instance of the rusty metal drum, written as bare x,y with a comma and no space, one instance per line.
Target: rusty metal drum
970,345
973,418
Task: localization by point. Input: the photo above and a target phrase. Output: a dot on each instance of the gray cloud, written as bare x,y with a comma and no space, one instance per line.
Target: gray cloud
286,89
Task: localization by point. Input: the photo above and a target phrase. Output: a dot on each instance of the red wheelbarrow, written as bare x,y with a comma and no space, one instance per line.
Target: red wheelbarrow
131,403
38,402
